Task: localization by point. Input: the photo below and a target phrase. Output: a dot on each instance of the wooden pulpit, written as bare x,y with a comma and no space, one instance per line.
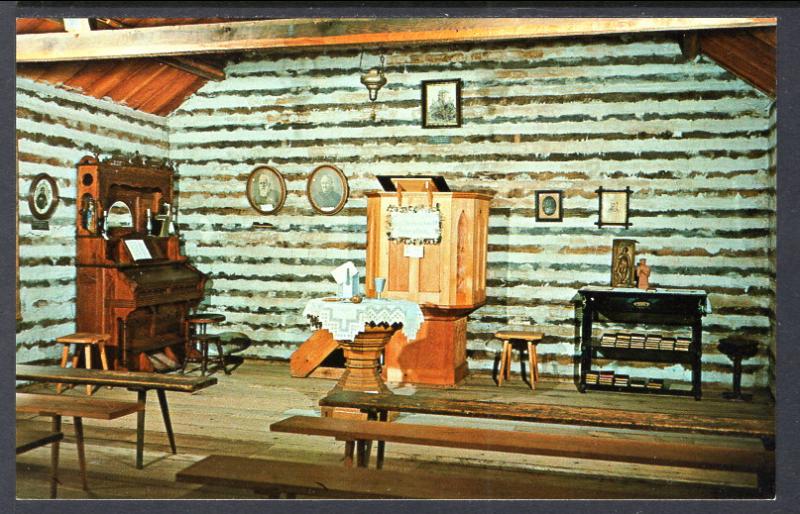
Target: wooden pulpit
443,269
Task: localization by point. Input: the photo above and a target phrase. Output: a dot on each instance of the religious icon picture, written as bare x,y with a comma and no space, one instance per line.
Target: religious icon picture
266,190
43,196
548,205
623,253
441,103
327,189
614,204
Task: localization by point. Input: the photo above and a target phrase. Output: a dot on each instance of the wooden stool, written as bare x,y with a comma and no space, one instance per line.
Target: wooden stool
737,349
509,338
87,339
197,326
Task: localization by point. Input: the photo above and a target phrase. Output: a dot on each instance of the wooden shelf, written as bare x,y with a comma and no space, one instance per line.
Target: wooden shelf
636,354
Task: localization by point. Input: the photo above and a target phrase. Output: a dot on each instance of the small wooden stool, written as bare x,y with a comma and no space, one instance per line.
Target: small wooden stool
197,326
87,339
737,349
509,338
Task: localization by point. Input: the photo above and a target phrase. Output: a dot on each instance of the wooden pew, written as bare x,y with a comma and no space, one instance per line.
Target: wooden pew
377,406
333,481
141,382
78,407
28,439
686,423
610,448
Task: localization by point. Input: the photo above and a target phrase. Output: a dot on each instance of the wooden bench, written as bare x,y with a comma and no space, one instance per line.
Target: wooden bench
141,382
28,439
273,477
377,407
610,448
78,408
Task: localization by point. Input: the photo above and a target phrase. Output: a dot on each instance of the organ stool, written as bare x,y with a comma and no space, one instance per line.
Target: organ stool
197,325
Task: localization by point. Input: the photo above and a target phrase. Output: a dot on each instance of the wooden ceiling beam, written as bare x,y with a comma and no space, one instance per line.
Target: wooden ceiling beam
196,67
320,33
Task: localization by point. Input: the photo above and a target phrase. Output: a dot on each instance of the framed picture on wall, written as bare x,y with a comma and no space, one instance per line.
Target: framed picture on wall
43,196
266,190
548,205
613,208
441,103
327,189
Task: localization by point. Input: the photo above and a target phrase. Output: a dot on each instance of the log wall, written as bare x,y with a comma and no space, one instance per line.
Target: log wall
55,128
690,139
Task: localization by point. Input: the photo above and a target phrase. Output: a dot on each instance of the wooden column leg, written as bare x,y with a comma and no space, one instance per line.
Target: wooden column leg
81,455
162,400
64,357
501,373
54,459
87,351
534,362
142,399
349,449
531,365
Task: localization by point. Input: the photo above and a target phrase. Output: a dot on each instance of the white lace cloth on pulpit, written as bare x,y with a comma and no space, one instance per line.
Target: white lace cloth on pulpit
344,319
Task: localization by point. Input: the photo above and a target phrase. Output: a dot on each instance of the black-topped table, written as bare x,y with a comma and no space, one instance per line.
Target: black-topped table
670,307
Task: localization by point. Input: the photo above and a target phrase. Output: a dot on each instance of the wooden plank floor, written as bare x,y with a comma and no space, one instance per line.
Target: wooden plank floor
233,417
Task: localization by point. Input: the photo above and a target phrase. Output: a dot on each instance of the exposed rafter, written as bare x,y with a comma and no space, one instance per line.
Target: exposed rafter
197,67
311,33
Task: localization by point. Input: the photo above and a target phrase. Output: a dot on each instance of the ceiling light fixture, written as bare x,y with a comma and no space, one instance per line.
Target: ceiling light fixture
374,79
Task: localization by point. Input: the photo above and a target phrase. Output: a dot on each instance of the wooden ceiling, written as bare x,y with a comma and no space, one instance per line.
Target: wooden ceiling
749,53
143,76
154,85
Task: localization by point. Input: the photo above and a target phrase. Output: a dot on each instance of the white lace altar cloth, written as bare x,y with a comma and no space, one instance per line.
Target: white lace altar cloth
344,319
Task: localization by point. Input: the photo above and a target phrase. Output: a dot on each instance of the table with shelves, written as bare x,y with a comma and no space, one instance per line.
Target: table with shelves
677,309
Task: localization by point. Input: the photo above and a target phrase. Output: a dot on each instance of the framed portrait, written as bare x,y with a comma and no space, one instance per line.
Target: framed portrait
266,190
441,103
43,196
327,189
623,253
548,205
613,209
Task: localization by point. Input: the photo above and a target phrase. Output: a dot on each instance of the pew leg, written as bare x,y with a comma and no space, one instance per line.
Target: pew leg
162,400
383,416
142,399
349,449
81,453
64,358
54,459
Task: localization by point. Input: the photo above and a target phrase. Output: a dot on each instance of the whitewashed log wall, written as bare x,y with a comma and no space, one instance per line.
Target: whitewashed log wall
689,138
55,128
773,229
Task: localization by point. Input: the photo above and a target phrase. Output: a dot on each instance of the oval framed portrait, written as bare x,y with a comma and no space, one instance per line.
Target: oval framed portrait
43,196
266,190
327,189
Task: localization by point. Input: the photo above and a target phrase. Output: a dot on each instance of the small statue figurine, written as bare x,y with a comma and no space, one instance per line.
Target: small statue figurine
642,274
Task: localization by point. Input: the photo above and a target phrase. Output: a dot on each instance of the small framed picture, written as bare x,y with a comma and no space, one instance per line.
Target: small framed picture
266,190
327,189
43,196
548,205
441,103
613,209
